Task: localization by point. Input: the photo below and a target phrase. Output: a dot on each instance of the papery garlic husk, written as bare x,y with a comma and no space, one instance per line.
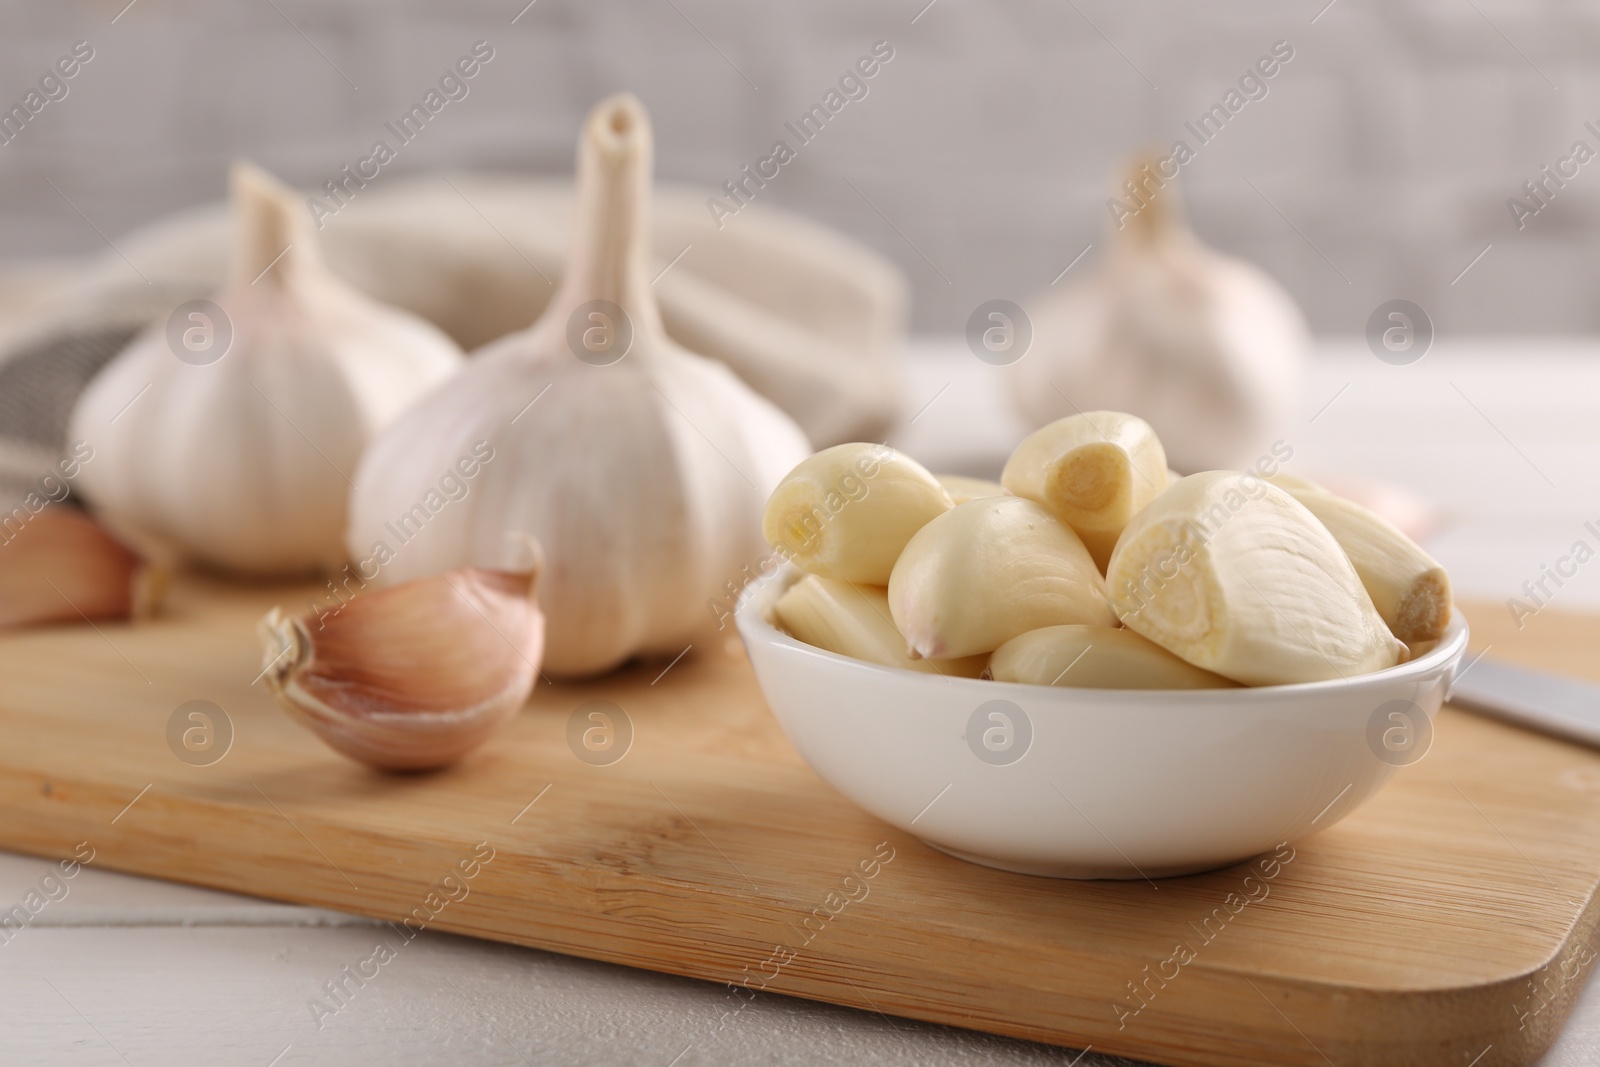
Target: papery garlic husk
846,512
963,489
641,471
1235,576
1206,348
411,677
62,566
1408,587
244,462
988,570
854,620
1094,471
1096,657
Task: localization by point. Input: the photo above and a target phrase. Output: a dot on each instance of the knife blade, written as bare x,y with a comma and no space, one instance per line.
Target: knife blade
1550,703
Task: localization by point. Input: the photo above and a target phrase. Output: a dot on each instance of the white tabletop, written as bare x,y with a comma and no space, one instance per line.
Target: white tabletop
1503,437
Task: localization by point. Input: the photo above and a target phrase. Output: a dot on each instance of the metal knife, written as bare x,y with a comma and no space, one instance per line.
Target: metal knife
1551,703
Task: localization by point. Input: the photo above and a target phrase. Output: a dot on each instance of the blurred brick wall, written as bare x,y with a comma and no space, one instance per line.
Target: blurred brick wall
1390,142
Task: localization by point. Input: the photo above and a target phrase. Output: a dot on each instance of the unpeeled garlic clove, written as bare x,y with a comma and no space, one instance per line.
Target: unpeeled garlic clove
847,511
62,566
414,676
1096,657
1236,576
854,620
1093,471
963,489
1408,587
988,570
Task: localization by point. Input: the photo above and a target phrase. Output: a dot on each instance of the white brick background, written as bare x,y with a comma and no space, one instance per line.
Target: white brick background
1392,140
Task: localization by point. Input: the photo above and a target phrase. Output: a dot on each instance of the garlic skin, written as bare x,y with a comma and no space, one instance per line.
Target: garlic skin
1206,348
644,478
64,567
243,463
1235,576
412,677
988,570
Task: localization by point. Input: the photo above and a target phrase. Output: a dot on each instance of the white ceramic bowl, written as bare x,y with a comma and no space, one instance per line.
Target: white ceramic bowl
1094,783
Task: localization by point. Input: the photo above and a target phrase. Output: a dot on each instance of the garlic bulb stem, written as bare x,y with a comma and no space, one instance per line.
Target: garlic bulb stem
273,236
611,233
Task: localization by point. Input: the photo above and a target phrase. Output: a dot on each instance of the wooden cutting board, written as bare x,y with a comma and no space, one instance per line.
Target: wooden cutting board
1453,917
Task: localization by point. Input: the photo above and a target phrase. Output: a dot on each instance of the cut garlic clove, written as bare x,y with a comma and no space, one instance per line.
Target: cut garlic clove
414,676
854,620
963,489
988,570
846,512
62,566
1234,575
1092,471
1408,587
1096,657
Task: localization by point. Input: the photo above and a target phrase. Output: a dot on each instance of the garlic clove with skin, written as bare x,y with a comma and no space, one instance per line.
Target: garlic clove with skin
415,676
640,467
62,566
1206,348
231,435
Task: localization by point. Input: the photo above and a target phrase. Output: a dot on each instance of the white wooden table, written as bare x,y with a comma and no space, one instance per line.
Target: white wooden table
1504,437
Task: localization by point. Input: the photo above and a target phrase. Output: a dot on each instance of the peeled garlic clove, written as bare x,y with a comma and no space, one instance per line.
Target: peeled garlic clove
232,435
854,620
61,566
963,489
1408,587
411,677
1092,471
846,512
1208,349
1234,575
986,571
1096,657
640,467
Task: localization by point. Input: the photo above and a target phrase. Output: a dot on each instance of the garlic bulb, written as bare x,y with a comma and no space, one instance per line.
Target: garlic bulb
643,472
232,437
1206,348
62,567
411,677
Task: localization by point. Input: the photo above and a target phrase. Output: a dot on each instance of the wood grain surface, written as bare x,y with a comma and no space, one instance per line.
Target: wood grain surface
1450,921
